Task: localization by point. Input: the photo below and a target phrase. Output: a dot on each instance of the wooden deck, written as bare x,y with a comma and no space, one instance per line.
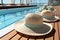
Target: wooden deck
54,35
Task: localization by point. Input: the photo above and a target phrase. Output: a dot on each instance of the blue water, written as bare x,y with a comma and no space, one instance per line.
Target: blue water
10,16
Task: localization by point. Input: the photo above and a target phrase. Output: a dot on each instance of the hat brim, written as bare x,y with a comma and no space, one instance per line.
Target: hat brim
20,27
47,20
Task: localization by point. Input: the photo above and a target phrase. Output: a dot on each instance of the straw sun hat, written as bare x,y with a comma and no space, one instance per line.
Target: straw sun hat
33,25
49,16
47,7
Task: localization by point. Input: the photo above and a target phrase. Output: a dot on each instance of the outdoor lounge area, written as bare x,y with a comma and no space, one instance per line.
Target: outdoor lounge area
12,18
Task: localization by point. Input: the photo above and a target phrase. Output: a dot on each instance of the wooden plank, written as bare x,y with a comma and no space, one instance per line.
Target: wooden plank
58,24
31,38
50,36
59,29
24,37
40,38
56,36
8,36
16,37
57,12
36,38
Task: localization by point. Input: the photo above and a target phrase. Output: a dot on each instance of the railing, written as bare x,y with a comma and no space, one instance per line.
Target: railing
26,4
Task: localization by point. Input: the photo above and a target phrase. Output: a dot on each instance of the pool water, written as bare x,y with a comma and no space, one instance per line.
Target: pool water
10,16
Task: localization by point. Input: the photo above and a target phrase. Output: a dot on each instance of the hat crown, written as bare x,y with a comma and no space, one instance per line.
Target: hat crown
33,19
47,13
